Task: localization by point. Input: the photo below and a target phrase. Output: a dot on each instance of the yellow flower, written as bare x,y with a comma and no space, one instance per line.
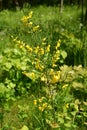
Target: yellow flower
48,48
58,73
43,43
58,52
36,50
41,51
30,14
64,86
44,105
44,39
39,66
24,19
67,105
30,24
40,108
40,100
54,65
58,44
21,46
44,79
56,56
35,102
18,41
36,28
29,48
32,75
49,107
15,39
55,78
51,72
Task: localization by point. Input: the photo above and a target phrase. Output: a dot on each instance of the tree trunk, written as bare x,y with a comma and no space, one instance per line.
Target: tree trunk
16,3
0,4
61,6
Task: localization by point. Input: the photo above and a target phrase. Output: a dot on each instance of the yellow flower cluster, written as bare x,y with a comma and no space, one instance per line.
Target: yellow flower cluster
29,48
30,14
35,102
21,44
58,44
38,50
31,75
44,78
41,105
42,108
26,19
52,77
41,51
55,76
55,79
37,61
56,57
39,66
30,26
56,54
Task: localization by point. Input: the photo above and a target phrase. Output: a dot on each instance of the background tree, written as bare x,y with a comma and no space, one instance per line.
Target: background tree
85,11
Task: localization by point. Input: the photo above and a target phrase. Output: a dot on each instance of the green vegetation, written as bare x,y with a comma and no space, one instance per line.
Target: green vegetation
43,77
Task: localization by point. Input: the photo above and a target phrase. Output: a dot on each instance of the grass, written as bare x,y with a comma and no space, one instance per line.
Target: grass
48,18
44,104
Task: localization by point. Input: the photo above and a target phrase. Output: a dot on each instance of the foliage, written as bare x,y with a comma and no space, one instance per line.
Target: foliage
35,83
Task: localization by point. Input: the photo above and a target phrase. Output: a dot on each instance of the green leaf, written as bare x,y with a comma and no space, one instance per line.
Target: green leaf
85,114
77,85
67,124
63,54
61,120
6,107
8,65
2,89
1,116
73,113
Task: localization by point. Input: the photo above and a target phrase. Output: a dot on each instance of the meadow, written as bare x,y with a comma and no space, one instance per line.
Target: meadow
43,76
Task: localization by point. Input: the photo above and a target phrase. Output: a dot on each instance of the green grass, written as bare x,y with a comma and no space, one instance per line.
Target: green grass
65,96
49,18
